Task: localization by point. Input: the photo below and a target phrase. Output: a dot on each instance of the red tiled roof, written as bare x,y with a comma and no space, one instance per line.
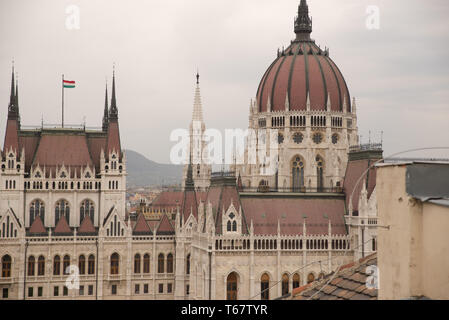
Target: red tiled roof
62,227
265,211
113,139
11,136
57,149
348,284
141,226
309,72
165,226
86,226
354,171
37,226
189,205
168,199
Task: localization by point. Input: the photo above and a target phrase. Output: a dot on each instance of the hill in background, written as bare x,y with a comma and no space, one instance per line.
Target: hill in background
143,172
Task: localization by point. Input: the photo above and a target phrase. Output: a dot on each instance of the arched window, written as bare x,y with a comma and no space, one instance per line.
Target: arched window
6,266
82,264
91,264
319,172
31,262
160,263
37,208
169,263
87,209
231,286
137,263
284,284
265,287
146,263
188,264
56,266
234,225
65,264
310,278
114,263
62,209
229,226
296,281
297,173
41,266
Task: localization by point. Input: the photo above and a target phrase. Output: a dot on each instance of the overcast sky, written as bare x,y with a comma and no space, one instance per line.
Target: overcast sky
399,73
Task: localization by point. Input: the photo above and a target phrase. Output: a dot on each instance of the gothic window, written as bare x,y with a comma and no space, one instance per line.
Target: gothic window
284,284
31,262
87,209
297,173
137,263
41,266
310,278
298,137
231,225
317,138
231,286
56,266
6,266
265,287
91,264
188,264
334,138
280,138
146,263
160,263
62,209
198,169
37,208
65,264
82,264
114,263
319,173
296,281
169,263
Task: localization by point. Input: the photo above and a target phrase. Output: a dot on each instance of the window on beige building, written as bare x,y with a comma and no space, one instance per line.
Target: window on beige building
114,263
6,266
265,287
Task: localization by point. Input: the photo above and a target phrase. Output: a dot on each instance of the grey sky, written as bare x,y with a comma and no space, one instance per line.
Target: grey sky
399,74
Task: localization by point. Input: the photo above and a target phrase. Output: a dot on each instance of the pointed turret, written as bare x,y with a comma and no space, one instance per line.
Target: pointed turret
303,23
113,140
16,100
113,112
12,124
197,107
189,184
106,110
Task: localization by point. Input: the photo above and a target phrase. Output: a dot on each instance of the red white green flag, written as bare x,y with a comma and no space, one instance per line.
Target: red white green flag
68,84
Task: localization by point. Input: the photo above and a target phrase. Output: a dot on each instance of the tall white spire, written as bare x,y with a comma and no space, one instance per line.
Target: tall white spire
197,107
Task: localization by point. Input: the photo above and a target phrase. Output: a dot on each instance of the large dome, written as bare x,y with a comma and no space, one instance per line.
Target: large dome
302,70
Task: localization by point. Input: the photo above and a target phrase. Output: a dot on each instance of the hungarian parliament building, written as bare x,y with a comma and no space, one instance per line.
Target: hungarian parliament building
66,233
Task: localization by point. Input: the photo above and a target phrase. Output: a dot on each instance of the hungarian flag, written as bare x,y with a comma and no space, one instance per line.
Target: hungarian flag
68,84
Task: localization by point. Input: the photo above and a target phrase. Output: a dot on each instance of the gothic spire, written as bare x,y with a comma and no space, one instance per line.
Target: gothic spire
106,110
303,23
16,99
189,185
13,111
197,107
113,112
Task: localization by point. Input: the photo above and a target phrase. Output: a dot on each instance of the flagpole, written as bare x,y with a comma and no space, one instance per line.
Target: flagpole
63,101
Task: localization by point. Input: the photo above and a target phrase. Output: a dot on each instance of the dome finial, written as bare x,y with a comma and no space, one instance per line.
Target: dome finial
303,23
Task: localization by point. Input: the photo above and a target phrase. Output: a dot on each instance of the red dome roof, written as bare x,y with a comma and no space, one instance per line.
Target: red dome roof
300,70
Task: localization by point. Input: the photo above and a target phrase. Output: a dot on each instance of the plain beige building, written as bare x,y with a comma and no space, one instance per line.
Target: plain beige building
413,237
